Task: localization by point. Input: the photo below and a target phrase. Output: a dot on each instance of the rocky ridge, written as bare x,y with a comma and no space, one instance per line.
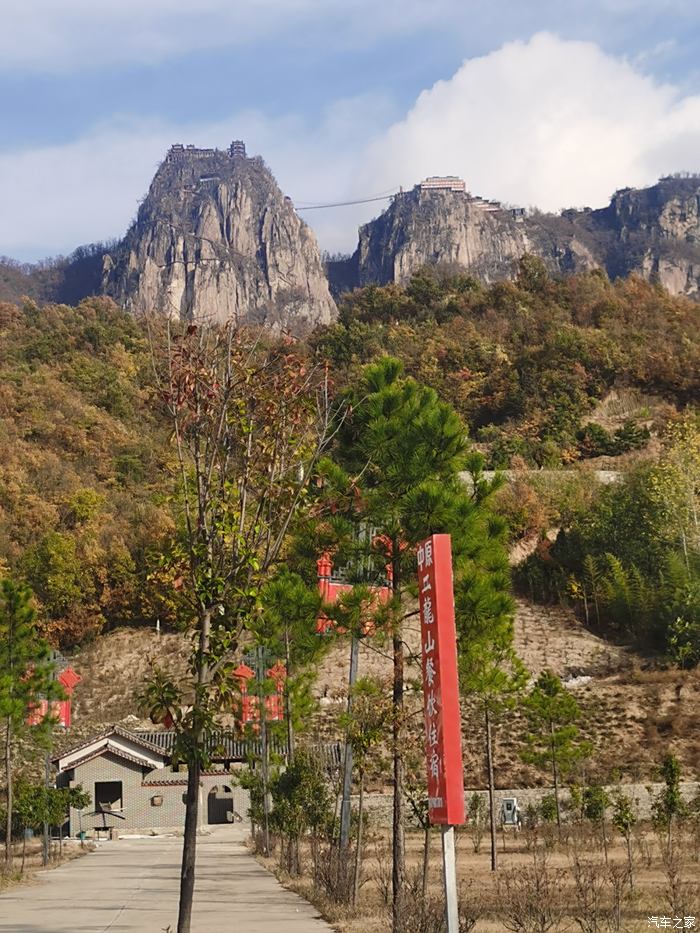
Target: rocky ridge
654,232
215,238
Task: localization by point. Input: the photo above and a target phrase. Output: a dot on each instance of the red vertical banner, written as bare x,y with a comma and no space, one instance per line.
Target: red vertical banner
443,733
59,710
69,680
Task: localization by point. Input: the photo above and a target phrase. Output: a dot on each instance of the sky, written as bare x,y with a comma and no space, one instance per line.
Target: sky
548,103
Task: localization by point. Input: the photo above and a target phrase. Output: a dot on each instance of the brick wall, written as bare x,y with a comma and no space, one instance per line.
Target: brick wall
141,791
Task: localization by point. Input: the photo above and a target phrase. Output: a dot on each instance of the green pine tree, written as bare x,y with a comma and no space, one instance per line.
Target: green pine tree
404,453
555,740
26,676
287,627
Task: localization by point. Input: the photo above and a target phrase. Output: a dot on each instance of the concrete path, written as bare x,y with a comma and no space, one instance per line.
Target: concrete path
131,886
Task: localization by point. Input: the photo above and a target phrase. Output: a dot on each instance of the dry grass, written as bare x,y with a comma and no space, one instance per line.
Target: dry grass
33,860
114,670
621,405
633,712
542,884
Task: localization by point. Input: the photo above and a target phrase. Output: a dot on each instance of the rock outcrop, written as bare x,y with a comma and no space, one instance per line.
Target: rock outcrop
426,227
215,238
654,232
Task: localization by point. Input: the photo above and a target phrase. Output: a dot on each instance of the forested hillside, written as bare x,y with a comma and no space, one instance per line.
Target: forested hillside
525,362
61,278
81,465
546,373
569,375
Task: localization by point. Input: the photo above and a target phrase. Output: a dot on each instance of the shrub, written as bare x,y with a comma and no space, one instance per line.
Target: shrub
548,809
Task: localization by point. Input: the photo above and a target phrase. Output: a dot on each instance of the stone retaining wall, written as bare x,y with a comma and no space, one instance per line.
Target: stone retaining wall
379,806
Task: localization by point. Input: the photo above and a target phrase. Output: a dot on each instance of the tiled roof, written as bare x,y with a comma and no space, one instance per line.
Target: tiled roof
138,738
112,749
220,746
225,746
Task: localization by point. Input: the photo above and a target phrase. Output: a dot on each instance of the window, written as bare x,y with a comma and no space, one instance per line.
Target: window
108,796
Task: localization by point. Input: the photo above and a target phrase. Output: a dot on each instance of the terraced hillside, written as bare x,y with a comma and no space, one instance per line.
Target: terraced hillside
634,710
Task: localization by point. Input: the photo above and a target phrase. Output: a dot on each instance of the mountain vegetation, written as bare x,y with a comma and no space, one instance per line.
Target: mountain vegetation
87,460
630,560
61,278
83,508
156,470
529,365
526,362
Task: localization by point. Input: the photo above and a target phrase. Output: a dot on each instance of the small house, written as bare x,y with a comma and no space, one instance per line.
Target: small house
135,785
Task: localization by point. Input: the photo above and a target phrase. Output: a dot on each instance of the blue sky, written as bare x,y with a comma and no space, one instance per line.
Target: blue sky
532,101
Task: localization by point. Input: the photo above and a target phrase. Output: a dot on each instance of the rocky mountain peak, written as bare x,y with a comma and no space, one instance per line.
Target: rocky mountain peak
439,222
215,238
654,232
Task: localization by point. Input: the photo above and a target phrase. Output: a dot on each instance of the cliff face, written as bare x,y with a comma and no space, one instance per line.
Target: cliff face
654,232
216,239
428,227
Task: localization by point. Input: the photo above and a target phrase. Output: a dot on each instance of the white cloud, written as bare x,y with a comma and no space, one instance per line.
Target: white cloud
547,122
57,197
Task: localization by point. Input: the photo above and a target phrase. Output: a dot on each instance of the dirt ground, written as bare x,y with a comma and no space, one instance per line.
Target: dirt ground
489,897
33,859
634,710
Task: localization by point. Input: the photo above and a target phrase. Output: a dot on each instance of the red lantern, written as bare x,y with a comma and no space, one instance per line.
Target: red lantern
250,703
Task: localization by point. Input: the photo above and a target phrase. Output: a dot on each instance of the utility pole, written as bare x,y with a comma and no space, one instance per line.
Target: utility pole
287,700
345,808
265,775
259,659
45,840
